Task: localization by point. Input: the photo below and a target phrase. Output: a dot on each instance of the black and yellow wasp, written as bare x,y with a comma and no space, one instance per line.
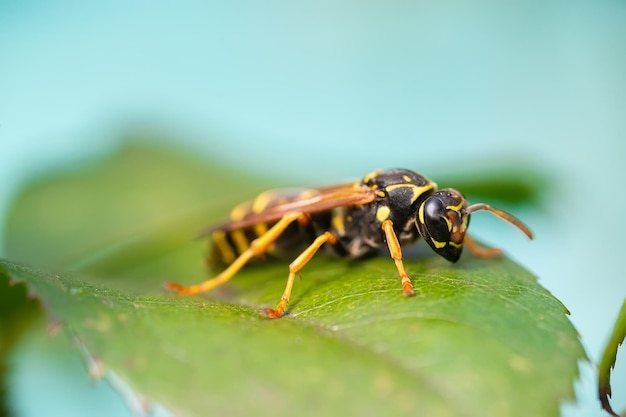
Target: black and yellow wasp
391,208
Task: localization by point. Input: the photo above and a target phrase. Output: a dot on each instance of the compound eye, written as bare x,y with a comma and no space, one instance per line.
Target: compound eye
435,219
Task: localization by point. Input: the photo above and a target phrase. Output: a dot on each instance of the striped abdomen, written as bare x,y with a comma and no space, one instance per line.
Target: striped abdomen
229,241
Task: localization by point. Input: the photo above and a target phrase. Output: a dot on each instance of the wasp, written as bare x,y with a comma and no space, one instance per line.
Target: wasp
387,208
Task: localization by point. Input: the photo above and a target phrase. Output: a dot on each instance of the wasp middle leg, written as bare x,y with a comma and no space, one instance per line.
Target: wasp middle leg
294,268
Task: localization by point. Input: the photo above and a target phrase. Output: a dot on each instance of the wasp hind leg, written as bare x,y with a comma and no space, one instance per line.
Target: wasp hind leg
257,247
480,251
294,268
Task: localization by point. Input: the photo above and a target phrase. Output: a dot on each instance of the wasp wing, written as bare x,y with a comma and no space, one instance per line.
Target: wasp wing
306,201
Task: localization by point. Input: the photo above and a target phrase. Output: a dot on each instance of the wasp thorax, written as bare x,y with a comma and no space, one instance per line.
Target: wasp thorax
442,224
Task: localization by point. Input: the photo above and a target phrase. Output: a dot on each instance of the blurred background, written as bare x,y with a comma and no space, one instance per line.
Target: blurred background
320,92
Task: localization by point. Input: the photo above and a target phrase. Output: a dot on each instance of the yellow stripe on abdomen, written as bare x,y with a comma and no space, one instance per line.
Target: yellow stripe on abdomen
226,253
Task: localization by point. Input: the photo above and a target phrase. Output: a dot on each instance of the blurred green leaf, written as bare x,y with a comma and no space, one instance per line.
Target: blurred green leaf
506,179
608,360
17,310
480,338
143,193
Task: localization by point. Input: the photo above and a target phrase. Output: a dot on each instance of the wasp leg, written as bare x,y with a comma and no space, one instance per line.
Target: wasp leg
480,251
396,254
257,247
294,268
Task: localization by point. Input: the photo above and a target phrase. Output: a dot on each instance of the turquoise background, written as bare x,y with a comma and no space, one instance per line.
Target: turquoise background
285,87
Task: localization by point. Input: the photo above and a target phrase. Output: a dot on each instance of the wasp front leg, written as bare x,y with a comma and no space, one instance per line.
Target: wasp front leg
480,251
396,253
257,247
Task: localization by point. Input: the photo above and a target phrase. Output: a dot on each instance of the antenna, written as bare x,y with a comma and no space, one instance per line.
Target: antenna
502,214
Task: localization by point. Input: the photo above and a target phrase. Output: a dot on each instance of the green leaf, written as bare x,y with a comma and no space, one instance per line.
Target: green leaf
481,337
608,360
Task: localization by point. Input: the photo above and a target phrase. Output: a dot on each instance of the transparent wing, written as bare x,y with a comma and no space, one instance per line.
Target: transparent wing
307,201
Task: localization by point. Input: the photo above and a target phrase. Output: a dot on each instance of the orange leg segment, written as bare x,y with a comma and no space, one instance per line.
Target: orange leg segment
294,268
480,251
257,247
396,254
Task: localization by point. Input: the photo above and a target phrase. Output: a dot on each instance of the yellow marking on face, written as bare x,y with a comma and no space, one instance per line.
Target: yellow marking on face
415,189
437,243
458,207
371,175
240,240
219,240
240,211
420,214
382,213
260,203
463,227
456,245
448,223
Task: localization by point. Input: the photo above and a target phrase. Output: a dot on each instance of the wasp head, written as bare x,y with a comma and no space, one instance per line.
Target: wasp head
442,222
443,218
